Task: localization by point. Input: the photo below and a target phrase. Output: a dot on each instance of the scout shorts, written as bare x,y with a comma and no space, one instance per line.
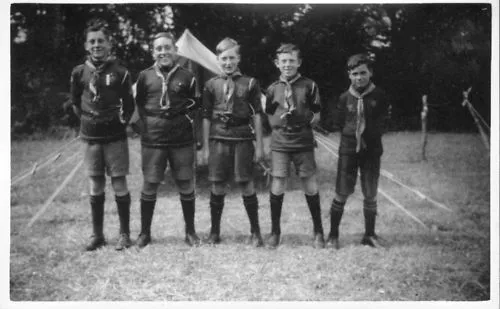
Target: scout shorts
347,172
107,158
154,163
304,162
228,157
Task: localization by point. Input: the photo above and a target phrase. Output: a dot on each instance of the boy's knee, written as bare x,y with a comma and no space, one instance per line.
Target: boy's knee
310,185
150,188
278,185
219,188
340,197
185,186
97,184
247,188
119,185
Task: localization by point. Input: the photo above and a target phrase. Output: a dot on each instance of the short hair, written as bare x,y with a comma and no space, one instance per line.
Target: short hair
225,44
357,60
97,24
167,35
288,48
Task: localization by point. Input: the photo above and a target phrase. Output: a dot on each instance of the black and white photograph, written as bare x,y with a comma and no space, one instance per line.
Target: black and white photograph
252,154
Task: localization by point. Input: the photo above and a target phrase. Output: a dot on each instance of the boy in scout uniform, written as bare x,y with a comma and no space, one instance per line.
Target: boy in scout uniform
101,92
230,101
165,100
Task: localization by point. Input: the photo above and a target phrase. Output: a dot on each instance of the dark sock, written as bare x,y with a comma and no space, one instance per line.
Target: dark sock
97,210
276,202
216,206
315,209
252,207
336,212
370,213
123,206
188,210
147,209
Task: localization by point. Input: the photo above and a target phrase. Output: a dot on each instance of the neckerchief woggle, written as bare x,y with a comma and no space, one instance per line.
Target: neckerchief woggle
360,112
164,100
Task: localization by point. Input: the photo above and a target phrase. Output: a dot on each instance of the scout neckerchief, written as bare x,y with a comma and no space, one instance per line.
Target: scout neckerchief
96,71
360,112
228,90
288,94
164,100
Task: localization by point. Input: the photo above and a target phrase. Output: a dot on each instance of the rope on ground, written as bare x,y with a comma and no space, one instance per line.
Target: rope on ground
387,196
54,195
393,178
52,157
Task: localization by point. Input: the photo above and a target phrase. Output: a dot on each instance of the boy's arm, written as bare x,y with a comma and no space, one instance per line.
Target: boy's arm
315,104
256,106
140,95
194,100
338,117
76,92
127,98
207,108
270,105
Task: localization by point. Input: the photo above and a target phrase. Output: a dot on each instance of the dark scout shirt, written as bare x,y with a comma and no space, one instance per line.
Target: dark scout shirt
167,121
307,100
376,114
100,119
246,103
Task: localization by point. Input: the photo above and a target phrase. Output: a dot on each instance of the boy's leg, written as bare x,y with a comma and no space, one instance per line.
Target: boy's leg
95,168
220,161
182,165
305,165
280,166
154,162
243,175
347,169
97,197
370,172
116,157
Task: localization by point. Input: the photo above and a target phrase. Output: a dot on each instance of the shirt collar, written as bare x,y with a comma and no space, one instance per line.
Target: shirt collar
290,81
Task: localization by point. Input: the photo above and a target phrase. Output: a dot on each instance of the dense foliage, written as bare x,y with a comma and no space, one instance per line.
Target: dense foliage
437,49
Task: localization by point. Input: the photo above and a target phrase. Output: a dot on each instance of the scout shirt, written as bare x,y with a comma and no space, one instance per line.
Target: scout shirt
164,102
103,94
305,99
240,101
375,107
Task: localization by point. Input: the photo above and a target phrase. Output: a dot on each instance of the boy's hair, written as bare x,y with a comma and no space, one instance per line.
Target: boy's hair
357,60
288,48
167,35
98,24
225,44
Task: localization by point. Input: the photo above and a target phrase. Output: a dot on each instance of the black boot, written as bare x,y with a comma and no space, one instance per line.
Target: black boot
148,203
252,207
276,202
314,205
336,212
216,207
97,210
188,210
123,205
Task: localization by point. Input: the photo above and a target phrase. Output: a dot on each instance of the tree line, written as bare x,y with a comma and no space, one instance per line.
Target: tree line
434,49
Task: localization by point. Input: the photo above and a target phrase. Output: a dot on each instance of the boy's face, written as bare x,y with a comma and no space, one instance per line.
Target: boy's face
288,64
360,76
229,60
164,52
97,45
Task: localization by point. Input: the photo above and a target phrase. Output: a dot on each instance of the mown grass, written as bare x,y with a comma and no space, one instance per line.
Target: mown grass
448,262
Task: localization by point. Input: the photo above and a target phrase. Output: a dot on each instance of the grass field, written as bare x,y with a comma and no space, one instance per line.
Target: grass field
448,261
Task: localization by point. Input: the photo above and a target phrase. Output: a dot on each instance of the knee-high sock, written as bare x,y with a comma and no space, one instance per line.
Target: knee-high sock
252,207
336,212
216,207
370,213
313,202
276,202
123,206
97,210
188,210
148,203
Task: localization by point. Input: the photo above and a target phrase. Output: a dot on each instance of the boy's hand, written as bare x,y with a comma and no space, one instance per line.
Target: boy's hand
315,120
204,155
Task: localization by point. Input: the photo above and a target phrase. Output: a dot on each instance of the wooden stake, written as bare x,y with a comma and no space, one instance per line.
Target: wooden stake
423,115
474,116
